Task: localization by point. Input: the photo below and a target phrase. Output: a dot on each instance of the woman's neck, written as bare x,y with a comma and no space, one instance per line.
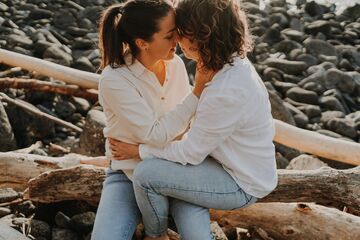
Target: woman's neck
154,65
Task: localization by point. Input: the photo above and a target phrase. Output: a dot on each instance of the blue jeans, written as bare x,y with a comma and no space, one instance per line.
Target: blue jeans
207,185
118,214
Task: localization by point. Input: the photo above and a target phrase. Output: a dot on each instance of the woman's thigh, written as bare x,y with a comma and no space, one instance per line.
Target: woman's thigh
206,184
117,215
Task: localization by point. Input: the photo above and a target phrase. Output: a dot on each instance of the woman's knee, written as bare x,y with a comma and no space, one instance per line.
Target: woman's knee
146,171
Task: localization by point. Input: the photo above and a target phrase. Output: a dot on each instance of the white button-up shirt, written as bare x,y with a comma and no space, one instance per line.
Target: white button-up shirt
233,124
139,110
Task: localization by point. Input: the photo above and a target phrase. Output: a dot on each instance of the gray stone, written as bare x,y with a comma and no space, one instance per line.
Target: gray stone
9,233
301,120
289,67
76,31
293,34
92,141
64,108
332,59
84,64
353,12
318,26
63,19
83,222
278,110
83,44
335,78
329,133
315,87
62,220
280,19
301,95
343,126
63,234
286,46
313,9
8,195
311,110
40,14
82,105
7,138
317,47
40,229
56,53
331,103
322,66
328,115
281,161
307,58
3,7
18,40
4,211
305,162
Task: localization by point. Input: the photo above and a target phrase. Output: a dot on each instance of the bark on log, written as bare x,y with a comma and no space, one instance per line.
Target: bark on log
286,134
324,185
42,86
293,221
66,74
18,168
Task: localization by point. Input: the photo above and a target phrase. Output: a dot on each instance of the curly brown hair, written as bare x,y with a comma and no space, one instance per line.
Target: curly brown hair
219,27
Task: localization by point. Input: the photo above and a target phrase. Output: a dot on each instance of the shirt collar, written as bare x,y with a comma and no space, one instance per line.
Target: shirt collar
135,66
236,58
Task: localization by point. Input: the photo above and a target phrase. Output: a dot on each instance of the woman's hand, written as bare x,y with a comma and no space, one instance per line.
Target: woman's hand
123,151
203,75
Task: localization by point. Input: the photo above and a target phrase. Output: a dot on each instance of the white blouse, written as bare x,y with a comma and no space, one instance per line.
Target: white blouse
139,110
233,124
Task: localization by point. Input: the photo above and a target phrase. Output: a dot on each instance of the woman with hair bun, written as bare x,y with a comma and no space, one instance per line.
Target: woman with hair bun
227,158
146,97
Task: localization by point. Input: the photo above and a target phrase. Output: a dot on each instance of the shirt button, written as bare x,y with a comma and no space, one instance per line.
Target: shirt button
162,98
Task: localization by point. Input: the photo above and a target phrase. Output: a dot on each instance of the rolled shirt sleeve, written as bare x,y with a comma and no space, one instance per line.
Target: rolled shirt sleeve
219,113
140,119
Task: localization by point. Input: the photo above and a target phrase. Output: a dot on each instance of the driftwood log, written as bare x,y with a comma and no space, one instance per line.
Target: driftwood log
303,140
43,86
293,221
66,74
18,168
324,185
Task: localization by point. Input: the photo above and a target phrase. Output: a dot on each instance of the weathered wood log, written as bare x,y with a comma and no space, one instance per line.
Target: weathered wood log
317,144
42,86
324,185
35,111
286,134
293,221
18,168
8,233
66,74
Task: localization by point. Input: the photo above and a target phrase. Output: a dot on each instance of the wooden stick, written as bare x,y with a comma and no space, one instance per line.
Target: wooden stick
66,74
33,110
38,85
317,144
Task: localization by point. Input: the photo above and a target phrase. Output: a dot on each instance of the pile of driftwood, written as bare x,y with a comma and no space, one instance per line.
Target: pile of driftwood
289,212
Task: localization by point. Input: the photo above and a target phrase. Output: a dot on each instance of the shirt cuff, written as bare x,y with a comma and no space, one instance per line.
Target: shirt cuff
144,152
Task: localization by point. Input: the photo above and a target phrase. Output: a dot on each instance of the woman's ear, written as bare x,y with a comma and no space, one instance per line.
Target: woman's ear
141,44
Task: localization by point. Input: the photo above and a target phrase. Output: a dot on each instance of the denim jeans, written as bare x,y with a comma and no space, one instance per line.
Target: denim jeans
207,185
118,214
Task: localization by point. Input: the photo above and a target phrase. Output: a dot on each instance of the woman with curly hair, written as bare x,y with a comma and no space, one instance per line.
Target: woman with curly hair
227,158
145,93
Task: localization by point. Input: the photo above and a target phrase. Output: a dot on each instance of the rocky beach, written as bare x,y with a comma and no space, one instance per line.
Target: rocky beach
307,53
